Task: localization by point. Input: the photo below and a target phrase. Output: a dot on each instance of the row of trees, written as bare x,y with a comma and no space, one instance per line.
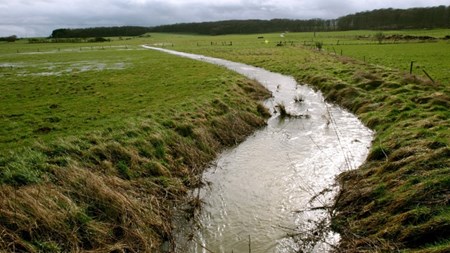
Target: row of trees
383,19
388,19
115,31
66,40
249,26
11,38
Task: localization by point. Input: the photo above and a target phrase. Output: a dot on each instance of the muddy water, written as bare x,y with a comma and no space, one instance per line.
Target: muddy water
262,190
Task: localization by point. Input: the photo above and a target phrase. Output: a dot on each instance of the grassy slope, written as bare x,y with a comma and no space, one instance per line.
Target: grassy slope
93,159
399,199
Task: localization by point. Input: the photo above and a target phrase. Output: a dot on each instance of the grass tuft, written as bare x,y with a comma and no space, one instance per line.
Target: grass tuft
282,110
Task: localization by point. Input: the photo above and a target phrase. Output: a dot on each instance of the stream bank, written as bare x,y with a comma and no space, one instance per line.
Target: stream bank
281,179
397,200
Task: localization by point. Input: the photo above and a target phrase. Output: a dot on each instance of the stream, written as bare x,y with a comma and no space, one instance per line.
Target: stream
281,179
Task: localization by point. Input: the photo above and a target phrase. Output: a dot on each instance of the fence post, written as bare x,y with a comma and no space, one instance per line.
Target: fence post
428,75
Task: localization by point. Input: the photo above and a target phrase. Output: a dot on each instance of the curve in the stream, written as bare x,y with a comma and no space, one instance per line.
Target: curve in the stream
262,190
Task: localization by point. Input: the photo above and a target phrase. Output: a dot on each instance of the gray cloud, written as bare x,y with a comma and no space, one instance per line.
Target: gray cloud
28,18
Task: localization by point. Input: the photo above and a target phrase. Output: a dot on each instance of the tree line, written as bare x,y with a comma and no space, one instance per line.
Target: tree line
249,26
391,19
11,38
115,31
382,19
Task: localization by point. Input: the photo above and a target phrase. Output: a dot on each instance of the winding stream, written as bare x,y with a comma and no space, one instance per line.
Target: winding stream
262,190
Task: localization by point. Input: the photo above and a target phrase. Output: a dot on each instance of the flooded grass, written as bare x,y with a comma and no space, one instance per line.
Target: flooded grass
95,158
62,94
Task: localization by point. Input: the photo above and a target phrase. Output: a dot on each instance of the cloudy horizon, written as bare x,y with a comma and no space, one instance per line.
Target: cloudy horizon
33,18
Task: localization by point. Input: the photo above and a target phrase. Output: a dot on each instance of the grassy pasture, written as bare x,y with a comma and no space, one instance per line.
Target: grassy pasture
50,95
136,126
98,144
361,45
56,90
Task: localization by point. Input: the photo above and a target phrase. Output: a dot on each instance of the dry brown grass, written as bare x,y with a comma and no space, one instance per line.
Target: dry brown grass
82,211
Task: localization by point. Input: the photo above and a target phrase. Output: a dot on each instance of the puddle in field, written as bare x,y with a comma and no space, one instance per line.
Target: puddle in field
261,190
60,68
81,49
9,65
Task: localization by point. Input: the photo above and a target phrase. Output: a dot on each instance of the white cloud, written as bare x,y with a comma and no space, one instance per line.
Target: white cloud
28,18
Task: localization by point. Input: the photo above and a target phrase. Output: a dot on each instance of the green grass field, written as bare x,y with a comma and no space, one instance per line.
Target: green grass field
361,45
50,95
426,56
136,127
98,144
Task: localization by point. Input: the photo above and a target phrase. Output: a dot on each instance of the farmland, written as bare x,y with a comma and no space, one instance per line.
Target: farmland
428,55
137,126
104,140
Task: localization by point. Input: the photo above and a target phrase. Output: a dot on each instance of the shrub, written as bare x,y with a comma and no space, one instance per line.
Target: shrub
319,45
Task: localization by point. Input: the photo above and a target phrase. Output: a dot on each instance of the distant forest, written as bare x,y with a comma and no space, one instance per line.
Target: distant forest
115,31
382,19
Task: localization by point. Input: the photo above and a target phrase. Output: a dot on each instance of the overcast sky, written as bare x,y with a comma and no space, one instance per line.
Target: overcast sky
28,18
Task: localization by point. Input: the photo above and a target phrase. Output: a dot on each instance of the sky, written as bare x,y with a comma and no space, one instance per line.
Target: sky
33,18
